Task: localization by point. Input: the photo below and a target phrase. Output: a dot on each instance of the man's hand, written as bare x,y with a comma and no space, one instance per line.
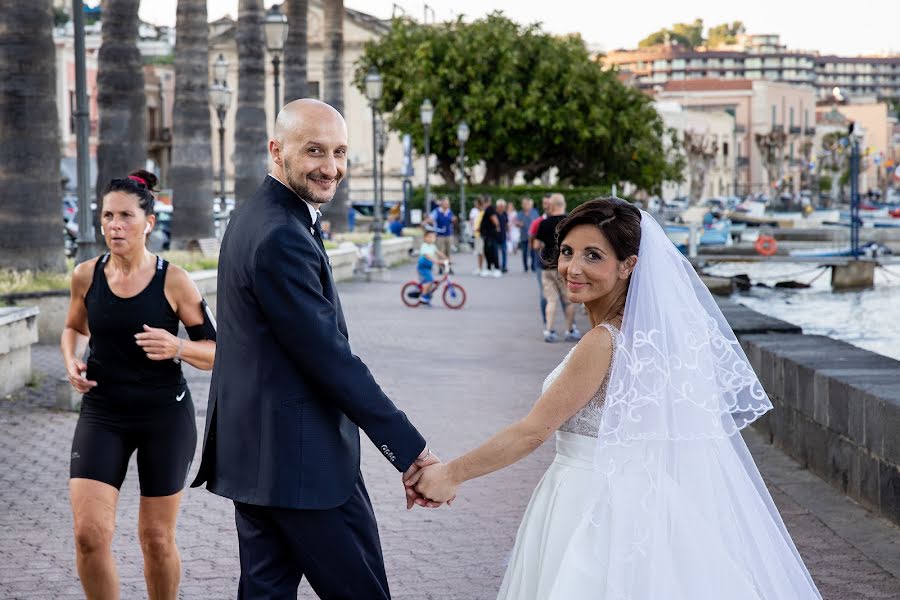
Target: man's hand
413,498
435,482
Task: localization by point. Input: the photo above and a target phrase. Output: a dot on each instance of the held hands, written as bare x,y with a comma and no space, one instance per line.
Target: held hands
159,344
76,370
434,482
412,497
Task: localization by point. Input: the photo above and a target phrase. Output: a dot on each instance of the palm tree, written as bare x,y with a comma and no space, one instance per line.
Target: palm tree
333,94
122,104
296,84
30,203
191,172
250,137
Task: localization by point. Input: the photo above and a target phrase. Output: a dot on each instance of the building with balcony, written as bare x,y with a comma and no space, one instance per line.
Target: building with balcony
760,57
875,125
712,132
774,125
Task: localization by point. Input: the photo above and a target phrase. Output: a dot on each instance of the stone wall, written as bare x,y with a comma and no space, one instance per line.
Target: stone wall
18,331
837,407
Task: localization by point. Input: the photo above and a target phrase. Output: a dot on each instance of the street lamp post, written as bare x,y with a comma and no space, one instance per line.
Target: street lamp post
374,88
426,112
380,143
462,135
220,97
87,241
855,220
276,28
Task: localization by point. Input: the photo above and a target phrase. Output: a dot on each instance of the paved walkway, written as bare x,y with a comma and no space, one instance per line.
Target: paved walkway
460,375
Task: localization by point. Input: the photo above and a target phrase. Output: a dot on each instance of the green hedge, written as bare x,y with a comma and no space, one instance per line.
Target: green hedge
574,195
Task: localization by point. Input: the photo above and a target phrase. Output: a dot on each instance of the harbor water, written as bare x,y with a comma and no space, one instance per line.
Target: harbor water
868,319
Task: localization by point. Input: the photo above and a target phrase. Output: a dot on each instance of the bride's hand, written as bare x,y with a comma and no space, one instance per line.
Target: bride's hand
435,482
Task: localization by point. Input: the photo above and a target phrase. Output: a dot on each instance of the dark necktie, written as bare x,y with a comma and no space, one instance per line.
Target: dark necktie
317,228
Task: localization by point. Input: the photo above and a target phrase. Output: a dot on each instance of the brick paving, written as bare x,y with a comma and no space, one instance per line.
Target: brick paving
460,375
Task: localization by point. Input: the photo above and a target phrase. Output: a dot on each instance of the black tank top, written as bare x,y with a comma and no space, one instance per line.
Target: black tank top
118,365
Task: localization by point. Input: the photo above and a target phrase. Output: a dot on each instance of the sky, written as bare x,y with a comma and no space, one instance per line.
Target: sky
858,27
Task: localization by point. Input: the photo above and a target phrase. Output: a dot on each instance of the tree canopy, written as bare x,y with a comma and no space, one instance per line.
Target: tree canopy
724,34
690,35
532,101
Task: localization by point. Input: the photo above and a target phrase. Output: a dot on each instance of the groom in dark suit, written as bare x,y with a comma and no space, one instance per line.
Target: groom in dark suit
288,397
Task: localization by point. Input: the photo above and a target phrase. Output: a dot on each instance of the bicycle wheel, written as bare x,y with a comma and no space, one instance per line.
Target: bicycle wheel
411,293
454,296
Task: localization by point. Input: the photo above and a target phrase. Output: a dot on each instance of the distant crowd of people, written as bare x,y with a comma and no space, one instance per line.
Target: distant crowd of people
498,231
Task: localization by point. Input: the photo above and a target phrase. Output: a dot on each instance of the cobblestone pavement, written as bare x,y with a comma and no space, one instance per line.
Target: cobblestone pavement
460,375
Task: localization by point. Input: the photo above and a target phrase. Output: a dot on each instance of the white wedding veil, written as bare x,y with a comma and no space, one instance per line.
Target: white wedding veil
680,511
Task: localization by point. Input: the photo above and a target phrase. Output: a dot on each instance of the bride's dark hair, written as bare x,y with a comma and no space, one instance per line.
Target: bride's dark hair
618,220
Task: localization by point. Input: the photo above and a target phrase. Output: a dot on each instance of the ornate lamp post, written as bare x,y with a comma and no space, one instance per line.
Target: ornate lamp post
462,135
380,144
276,28
87,240
374,88
220,98
426,112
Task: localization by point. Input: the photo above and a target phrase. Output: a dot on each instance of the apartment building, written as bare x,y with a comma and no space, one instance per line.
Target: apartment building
761,57
782,114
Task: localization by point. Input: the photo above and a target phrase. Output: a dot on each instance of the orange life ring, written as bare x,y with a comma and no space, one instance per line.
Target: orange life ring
766,245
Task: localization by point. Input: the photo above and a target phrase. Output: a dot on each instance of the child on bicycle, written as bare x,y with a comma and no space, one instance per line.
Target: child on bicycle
428,255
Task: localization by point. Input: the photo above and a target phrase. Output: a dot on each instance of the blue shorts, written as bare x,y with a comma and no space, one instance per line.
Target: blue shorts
424,268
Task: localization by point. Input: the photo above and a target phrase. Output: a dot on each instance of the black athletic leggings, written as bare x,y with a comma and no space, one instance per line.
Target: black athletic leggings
163,431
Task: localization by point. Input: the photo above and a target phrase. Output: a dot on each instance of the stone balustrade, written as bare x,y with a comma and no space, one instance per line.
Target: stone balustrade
18,331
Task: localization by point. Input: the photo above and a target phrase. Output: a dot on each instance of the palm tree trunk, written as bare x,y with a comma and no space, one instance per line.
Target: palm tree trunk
333,93
122,104
296,75
250,137
191,171
30,193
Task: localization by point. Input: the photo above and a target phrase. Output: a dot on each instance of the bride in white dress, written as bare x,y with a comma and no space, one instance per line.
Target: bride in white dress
652,494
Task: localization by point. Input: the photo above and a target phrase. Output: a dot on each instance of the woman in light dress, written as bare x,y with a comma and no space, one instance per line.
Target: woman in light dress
652,494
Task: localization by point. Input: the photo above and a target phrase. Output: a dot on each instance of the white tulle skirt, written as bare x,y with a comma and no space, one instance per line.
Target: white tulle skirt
571,548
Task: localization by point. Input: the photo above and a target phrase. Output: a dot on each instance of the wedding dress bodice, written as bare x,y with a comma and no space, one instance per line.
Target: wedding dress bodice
587,420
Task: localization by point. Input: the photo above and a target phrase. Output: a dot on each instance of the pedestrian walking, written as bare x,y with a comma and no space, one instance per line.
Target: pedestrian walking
503,219
475,215
126,306
490,233
525,218
513,229
553,285
443,220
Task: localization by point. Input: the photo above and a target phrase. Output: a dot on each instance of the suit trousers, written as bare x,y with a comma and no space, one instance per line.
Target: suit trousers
338,550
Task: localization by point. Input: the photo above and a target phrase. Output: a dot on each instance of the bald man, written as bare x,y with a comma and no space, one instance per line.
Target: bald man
288,396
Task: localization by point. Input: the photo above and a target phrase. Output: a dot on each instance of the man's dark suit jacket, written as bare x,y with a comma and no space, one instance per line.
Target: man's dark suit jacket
288,397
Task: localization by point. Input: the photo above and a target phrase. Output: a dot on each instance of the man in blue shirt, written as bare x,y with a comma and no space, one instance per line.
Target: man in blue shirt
526,217
442,220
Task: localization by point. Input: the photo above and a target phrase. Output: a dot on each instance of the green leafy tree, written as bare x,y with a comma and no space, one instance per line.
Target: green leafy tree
724,34
689,35
532,101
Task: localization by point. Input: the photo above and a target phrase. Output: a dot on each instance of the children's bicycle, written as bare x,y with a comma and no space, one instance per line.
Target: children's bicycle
454,295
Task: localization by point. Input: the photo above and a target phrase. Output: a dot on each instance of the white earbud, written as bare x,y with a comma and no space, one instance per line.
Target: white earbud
101,230
147,229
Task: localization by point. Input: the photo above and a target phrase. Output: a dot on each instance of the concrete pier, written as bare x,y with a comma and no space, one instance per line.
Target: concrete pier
854,275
